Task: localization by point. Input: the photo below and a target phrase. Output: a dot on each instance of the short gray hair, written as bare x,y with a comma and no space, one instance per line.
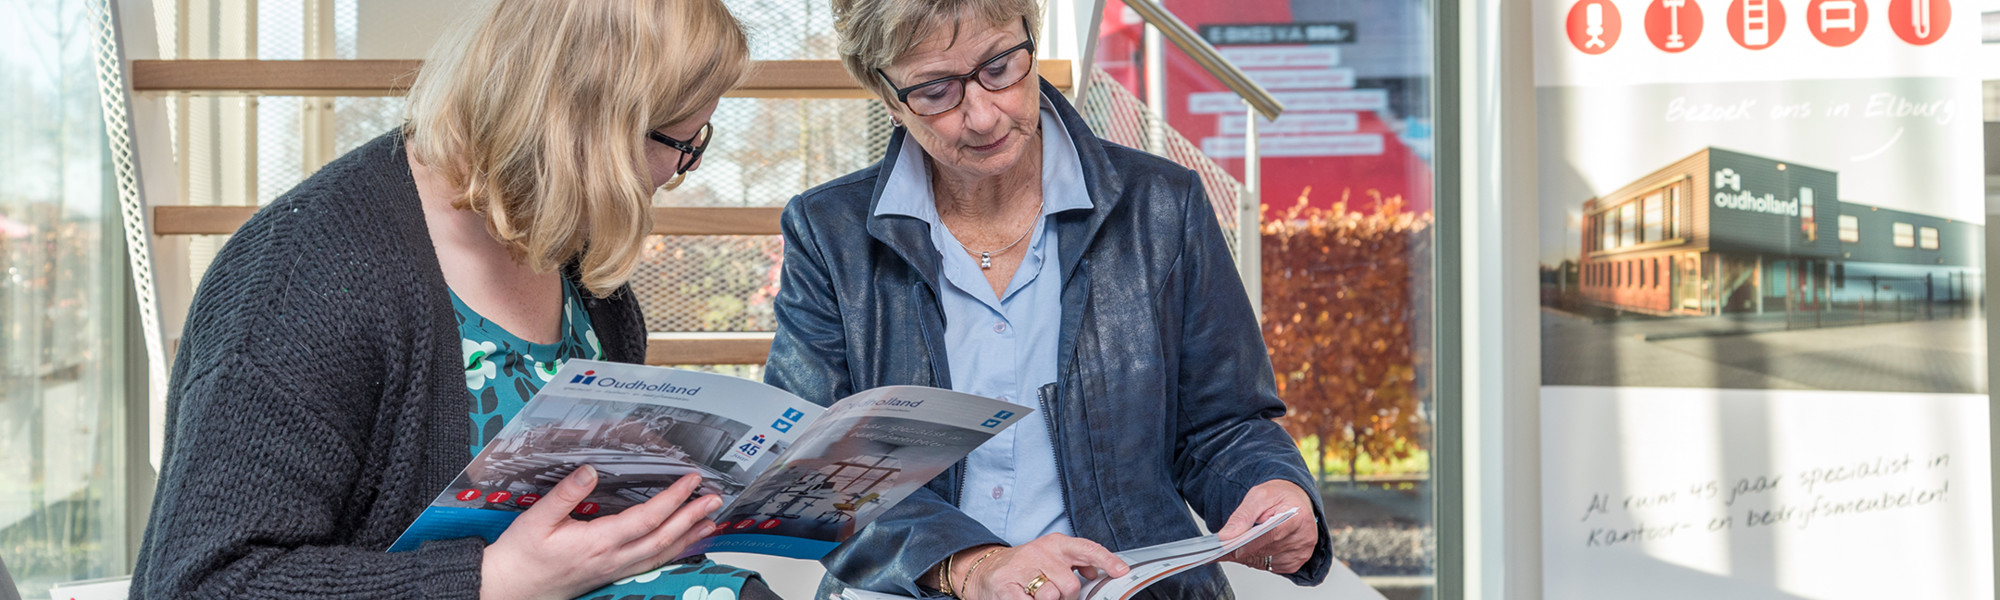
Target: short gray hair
875,33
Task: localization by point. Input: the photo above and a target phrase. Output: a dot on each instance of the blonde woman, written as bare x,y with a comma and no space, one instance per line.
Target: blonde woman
361,337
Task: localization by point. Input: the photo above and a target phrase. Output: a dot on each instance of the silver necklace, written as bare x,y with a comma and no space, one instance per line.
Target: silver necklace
986,258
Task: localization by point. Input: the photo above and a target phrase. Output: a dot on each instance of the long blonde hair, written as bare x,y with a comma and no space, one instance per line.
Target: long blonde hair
538,110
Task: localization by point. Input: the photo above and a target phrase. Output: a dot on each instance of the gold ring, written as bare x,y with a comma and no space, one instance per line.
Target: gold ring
1035,584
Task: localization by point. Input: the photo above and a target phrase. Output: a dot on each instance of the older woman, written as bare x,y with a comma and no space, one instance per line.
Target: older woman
358,340
1001,249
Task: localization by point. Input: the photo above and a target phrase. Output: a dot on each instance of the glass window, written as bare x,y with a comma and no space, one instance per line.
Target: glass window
1655,219
1850,228
1656,272
1672,208
1608,231
1927,238
62,298
1905,235
1628,224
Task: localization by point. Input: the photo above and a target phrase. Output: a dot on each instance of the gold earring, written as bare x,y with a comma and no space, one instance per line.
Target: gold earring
675,181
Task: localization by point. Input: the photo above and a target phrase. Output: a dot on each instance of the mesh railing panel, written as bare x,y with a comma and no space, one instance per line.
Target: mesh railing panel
767,150
1116,115
359,119
787,29
708,283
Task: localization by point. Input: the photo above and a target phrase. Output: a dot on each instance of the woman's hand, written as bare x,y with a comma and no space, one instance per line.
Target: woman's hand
1285,549
1007,574
546,554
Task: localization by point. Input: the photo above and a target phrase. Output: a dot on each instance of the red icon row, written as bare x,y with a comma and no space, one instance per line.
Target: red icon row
1675,25
721,528
524,501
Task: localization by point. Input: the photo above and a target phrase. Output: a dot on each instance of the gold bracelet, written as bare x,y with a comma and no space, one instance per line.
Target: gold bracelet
945,576
975,565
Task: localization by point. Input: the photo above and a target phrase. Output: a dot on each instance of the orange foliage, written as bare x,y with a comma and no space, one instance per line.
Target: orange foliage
1346,307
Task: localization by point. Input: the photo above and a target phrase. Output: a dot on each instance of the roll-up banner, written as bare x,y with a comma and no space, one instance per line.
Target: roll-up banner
1762,250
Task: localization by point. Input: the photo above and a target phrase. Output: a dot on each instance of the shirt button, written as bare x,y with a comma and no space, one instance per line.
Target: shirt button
1000,327
997,491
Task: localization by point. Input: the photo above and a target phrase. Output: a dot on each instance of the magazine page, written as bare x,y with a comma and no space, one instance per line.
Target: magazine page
641,427
1154,563
865,454
1149,564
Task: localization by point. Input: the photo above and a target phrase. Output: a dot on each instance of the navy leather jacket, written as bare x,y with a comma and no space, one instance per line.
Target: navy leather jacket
1164,395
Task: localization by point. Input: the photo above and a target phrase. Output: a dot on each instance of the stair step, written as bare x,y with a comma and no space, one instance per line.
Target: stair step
680,348
770,78
746,348
667,220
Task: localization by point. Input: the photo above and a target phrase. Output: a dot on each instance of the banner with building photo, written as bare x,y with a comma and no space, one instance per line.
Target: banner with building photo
1762,237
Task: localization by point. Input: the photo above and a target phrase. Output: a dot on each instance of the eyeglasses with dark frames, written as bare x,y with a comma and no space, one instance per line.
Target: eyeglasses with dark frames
940,95
690,149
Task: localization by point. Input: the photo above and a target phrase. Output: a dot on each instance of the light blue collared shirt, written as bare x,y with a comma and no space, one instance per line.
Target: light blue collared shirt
1004,347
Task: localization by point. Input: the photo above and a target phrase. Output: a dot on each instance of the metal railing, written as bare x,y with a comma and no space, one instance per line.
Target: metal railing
1162,25
1119,117
1183,37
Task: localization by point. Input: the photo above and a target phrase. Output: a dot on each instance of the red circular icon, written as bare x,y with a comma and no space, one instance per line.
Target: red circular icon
719,528
1919,22
745,524
587,508
1593,26
1837,23
1673,25
468,495
767,524
1756,24
498,497
527,500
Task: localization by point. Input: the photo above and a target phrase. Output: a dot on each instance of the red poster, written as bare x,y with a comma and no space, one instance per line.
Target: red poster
1354,129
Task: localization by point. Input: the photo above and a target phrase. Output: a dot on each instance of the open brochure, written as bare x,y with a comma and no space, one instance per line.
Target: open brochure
795,479
1149,565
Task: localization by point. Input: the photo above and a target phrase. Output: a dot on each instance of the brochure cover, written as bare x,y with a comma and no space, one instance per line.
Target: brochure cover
795,479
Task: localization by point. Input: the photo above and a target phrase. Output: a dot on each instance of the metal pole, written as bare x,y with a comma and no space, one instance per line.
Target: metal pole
1249,235
1156,91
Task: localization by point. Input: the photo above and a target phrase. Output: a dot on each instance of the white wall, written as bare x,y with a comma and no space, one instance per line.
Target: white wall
404,29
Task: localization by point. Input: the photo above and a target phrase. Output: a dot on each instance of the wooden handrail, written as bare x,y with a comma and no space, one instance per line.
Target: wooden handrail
769,79
667,220
749,348
730,348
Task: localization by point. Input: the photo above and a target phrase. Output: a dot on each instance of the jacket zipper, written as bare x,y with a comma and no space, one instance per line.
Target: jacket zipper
1055,448
958,483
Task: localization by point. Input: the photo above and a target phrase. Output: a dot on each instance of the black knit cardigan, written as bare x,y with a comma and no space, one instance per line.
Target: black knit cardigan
318,401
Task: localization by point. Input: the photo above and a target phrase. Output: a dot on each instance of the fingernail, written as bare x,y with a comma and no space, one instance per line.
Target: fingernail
584,478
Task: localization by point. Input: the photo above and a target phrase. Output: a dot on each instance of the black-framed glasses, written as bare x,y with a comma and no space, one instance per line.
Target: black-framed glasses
690,149
1000,72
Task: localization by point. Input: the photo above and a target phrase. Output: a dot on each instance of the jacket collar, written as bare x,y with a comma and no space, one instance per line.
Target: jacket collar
909,237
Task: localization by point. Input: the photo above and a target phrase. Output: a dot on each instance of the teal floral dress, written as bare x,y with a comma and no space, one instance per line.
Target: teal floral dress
503,371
